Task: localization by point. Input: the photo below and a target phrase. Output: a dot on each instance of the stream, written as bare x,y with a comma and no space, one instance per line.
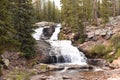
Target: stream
63,53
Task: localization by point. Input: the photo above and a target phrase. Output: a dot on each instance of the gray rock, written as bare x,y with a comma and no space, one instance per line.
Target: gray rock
44,23
98,62
109,32
7,62
54,68
43,48
90,35
97,32
66,77
47,32
103,32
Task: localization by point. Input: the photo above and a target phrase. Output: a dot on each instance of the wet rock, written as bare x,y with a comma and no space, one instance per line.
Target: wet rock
67,77
54,68
98,62
78,67
56,58
43,48
41,68
47,32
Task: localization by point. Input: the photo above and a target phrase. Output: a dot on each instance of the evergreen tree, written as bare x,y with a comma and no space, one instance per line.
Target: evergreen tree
48,11
105,11
24,18
72,18
7,42
87,10
94,12
38,9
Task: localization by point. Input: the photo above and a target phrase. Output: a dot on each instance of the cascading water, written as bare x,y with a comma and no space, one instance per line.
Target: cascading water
62,50
55,34
70,53
38,33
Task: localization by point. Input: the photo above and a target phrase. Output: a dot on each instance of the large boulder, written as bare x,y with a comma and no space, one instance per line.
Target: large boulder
45,53
48,31
43,48
98,62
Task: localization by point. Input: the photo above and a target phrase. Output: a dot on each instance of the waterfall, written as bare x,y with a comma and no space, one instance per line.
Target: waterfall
70,53
65,48
62,50
38,33
55,34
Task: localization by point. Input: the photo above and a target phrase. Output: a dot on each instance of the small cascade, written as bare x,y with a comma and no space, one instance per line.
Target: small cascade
69,53
62,50
38,33
55,34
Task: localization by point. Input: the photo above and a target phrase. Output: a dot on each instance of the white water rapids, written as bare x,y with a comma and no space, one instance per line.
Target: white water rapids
38,33
63,48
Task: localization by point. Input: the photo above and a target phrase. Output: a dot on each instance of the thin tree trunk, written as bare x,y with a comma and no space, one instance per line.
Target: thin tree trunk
94,11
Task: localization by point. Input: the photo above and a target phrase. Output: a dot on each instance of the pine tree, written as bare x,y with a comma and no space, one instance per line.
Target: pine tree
46,10
87,10
71,16
24,18
38,9
105,11
7,31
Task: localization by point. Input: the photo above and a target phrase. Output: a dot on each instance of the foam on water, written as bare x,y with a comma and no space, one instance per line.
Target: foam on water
38,33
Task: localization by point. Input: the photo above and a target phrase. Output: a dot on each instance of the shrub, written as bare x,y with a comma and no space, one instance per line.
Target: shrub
97,49
61,36
100,50
19,75
117,54
116,41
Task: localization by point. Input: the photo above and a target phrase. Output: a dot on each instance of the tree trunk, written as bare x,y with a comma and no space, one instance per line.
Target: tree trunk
94,12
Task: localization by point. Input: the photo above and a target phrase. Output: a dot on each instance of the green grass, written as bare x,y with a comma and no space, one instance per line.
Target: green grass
19,75
100,50
115,40
97,49
61,36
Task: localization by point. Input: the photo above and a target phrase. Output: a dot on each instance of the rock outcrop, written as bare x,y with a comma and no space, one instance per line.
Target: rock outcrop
116,63
100,35
44,23
98,62
43,49
48,31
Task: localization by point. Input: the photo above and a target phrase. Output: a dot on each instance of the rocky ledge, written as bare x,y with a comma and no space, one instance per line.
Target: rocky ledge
44,23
